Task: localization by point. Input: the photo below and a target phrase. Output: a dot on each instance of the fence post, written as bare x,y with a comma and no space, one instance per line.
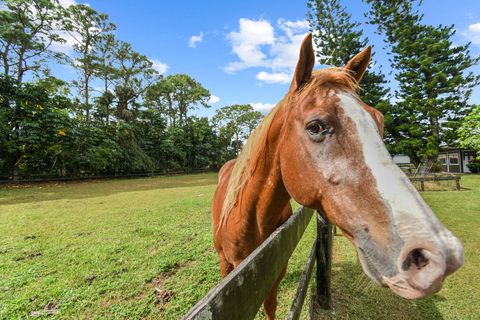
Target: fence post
422,184
322,296
457,182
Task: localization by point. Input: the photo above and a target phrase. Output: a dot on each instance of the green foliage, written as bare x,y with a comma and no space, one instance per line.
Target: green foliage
474,165
433,76
175,95
33,124
138,121
469,131
28,28
235,123
133,75
38,137
87,27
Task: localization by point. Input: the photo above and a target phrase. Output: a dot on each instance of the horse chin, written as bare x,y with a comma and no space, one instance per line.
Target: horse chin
369,268
401,287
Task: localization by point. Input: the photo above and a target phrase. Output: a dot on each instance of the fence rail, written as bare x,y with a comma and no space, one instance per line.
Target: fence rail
240,294
422,180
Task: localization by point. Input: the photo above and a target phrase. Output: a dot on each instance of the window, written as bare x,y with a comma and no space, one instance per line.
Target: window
453,158
442,158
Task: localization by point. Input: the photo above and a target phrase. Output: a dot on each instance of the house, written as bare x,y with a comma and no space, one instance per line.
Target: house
456,160
401,159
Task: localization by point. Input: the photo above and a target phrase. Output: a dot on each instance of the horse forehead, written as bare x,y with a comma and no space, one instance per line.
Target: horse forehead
320,100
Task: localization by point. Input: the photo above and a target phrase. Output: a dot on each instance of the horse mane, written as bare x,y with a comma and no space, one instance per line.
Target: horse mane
332,77
254,150
247,161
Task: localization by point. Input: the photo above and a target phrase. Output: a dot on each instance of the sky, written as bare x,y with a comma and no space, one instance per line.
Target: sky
245,51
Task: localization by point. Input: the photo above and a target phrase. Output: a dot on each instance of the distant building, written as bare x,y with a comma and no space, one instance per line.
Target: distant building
401,159
456,160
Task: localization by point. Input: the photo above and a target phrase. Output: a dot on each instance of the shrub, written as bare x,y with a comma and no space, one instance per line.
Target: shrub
474,165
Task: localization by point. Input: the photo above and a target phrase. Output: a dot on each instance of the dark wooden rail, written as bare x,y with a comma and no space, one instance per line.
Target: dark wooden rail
241,293
436,178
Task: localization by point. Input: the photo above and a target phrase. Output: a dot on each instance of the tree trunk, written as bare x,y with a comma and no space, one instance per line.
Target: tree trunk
6,67
87,106
107,106
20,65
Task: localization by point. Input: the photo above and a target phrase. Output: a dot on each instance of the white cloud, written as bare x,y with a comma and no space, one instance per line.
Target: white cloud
262,107
258,44
272,77
247,42
67,3
213,99
64,47
192,43
292,28
473,33
159,66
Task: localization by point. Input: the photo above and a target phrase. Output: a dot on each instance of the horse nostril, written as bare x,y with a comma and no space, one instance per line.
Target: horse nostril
415,258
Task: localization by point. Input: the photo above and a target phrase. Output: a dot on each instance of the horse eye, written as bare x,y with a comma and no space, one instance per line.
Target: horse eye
317,130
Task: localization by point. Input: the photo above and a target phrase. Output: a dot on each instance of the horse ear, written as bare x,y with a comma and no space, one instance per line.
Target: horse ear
358,64
303,71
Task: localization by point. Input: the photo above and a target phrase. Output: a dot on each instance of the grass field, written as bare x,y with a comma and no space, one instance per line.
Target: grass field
130,249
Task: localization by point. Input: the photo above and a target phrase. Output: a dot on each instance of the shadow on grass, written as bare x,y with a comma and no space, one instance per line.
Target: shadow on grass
17,194
355,296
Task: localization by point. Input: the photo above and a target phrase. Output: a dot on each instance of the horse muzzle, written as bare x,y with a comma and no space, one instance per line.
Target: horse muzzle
422,269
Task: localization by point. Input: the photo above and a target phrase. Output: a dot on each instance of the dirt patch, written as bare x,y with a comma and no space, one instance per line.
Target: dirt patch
89,279
81,234
27,256
50,308
164,296
190,238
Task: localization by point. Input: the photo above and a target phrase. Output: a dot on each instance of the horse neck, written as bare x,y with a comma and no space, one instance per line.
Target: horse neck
263,199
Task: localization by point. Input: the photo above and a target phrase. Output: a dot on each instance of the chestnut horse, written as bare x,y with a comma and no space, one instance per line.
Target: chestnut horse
322,146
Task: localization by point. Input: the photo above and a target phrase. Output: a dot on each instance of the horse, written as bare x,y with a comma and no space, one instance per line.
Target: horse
323,146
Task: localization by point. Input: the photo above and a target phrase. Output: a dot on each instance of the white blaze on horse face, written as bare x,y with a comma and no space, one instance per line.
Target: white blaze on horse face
410,217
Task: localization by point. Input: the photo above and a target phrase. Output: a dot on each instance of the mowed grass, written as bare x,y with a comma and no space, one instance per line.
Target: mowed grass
142,248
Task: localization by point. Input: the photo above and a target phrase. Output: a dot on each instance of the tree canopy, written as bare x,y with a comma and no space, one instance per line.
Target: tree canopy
434,81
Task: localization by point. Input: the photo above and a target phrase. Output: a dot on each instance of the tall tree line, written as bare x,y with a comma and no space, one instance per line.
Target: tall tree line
136,120
434,81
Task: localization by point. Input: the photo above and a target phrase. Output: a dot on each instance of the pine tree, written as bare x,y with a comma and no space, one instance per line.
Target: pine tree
434,81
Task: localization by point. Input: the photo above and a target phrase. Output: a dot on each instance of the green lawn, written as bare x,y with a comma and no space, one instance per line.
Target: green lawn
142,248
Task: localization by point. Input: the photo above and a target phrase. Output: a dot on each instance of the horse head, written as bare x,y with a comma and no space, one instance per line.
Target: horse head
332,158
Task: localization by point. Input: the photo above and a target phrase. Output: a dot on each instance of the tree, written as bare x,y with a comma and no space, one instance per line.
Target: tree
86,26
134,75
469,131
236,122
28,28
176,95
105,49
159,97
33,123
433,76
338,39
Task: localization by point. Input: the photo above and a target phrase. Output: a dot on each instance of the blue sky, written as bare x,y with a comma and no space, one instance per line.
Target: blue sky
244,51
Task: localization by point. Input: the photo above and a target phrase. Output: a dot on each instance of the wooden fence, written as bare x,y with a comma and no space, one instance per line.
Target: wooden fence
436,178
241,293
